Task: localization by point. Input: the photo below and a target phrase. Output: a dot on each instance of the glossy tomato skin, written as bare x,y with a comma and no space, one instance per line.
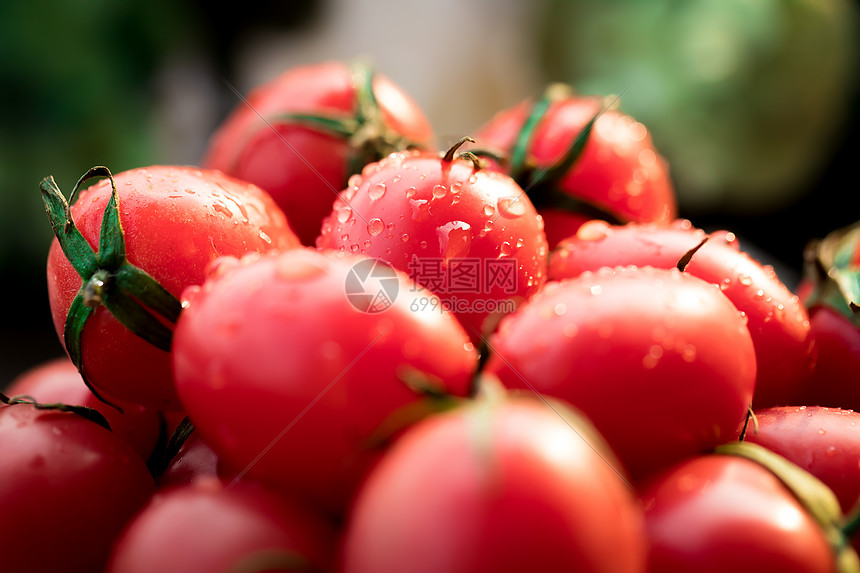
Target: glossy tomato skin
832,382
633,349
208,527
305,168
58,381
619,170
509,486
823,441
778,322
194,461
718,513
176,219
67,486
291,384
469,235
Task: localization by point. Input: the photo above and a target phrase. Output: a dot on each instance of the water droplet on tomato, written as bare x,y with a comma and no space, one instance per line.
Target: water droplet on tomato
489,210
505,249
375,226
376,192
439,191
593,230
354,247
410,193
420,209
455,239
266,238
218,207
344,213
511,206
404,237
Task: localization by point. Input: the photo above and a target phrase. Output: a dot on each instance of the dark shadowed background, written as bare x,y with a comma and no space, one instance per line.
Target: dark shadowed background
754,104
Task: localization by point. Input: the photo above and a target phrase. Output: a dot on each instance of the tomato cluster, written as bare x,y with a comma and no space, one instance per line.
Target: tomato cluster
334,347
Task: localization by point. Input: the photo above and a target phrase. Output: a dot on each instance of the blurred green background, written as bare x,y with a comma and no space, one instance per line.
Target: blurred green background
754,103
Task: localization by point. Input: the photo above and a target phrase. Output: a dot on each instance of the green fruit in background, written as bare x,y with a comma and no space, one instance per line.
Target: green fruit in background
746,98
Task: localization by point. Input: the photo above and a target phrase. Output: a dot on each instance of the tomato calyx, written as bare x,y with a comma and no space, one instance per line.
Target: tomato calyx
136,299
541,183
830,264
90,414
369,138
815,497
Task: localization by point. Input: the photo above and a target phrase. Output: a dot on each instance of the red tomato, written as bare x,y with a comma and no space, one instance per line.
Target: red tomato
67,486
831,292
469,235
303,164
833,382
777,321
174,221
823,441
619,175
633,348
512,485
290,373
718,513
206,527
58,381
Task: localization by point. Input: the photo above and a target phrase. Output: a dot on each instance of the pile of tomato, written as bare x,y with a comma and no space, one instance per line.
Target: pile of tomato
333,346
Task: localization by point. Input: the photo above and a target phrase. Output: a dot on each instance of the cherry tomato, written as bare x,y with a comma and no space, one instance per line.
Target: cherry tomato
831,291
823,441
302,134
718,513
616,173
67,486
291,366
207,527
633,348
470,235
778,322
58,381
507,485
171,221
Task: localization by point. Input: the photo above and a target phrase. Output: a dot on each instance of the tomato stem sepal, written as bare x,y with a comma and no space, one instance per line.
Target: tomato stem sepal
136,299
90,414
